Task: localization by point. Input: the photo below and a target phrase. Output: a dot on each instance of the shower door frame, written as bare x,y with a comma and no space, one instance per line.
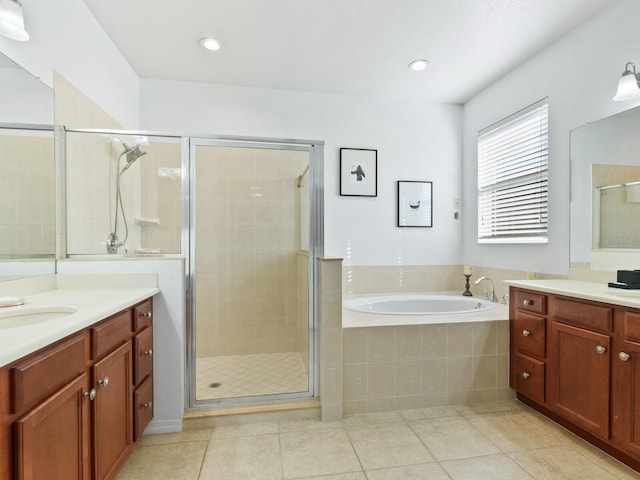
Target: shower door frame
315,151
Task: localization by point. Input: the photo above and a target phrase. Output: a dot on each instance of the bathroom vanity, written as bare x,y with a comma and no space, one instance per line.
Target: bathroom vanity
75,407
575,357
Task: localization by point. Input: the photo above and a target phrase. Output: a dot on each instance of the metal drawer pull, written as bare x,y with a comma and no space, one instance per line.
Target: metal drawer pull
624,356
600,349
91,394
147,405
527,303
147,314
526,333
104,382
525,375
148,353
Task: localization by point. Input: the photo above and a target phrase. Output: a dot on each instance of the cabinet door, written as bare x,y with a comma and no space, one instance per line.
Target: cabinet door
52,440
580,388
628,364
112,418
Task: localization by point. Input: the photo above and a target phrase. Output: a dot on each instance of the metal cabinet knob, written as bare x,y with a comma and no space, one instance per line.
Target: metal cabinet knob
526,333
90,394
148,315
525,375
148,353
149,404
624,356
104,382
527,303
600,349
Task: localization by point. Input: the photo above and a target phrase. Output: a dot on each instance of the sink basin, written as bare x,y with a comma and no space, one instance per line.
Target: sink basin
32,314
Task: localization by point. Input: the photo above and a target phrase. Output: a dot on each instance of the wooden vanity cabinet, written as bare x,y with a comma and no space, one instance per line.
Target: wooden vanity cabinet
67,411
626,379
528,344
142,367
591,370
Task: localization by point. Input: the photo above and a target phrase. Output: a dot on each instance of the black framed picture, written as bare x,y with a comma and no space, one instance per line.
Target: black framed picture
358,172
415,203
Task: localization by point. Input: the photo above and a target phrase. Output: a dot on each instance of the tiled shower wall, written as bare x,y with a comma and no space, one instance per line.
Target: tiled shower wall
160,186
27,195
619,207
247,246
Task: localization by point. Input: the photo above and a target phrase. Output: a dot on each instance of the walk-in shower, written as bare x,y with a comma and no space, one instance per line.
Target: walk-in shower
113,242
246,215
254,241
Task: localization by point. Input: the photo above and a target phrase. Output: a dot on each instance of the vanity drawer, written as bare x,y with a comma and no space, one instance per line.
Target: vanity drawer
529,334
531,302
41,374
109,334
142,315
584,315
142,407
529,377
632,326
143,354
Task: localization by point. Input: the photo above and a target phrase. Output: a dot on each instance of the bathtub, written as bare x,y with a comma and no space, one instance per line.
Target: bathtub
416,309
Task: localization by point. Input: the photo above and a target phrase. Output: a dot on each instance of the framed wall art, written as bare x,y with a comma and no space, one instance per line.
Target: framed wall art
358,172
415,204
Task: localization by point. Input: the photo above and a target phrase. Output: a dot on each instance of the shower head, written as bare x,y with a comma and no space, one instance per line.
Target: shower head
132,153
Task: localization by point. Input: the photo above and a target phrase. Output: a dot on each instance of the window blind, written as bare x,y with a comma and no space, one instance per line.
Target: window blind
513,178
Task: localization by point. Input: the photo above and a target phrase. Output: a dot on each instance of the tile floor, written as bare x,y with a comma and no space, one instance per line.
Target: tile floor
249,375
496,441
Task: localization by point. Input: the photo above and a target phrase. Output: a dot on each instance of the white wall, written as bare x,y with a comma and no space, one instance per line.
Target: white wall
579,74
67,38
414,142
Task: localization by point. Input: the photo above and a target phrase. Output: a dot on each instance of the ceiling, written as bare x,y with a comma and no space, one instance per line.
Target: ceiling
353,47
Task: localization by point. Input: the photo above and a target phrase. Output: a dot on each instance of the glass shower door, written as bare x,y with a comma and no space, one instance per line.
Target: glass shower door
249,272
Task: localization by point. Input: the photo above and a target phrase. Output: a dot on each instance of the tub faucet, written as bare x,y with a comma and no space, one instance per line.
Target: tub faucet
488,296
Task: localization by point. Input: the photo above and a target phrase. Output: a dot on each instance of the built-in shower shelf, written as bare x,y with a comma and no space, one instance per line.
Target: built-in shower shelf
147,221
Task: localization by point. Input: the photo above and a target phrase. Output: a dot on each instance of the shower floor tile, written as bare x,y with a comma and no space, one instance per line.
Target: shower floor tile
233,376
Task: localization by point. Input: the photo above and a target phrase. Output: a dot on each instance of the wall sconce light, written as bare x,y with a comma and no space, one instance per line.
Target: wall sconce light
12,20
628,84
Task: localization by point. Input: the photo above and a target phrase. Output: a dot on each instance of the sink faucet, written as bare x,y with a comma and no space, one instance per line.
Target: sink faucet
489,296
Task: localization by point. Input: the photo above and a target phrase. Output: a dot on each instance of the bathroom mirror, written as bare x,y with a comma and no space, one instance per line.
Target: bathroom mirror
605,193
27,186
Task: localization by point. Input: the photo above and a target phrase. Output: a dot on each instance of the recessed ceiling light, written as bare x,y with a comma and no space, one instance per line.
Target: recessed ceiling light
211,44
418,65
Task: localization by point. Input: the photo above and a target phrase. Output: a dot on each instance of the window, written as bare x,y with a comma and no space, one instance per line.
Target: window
513,178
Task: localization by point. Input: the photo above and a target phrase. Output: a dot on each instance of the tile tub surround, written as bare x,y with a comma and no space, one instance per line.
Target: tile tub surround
492,441
376,279
413,366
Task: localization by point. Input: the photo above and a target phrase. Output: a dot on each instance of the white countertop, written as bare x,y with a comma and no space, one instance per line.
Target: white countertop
598,292
92,304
